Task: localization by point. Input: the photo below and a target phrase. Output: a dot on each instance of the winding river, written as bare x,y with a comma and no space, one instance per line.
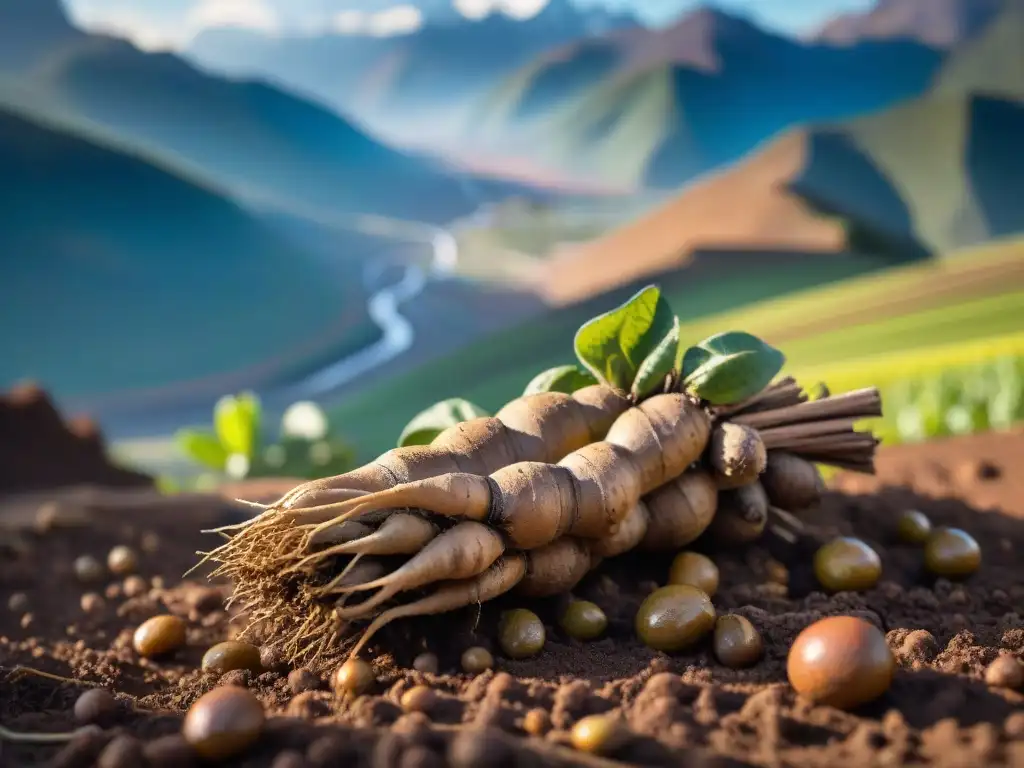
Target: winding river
383,306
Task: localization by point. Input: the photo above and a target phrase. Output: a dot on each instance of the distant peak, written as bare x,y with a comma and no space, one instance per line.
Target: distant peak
940,23
694,39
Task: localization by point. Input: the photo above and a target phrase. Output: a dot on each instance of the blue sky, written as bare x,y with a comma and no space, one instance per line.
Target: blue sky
171,23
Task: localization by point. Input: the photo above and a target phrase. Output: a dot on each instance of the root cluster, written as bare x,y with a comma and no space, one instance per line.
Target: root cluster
320,571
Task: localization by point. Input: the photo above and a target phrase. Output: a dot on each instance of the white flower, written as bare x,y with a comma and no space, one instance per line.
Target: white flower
237,466
305,420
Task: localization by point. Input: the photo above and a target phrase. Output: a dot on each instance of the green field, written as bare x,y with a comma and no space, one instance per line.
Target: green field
942,306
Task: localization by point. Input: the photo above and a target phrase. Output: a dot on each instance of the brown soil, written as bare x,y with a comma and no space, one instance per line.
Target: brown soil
683,710
41,450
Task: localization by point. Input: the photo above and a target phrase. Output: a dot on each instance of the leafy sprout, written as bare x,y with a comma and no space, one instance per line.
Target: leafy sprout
235,447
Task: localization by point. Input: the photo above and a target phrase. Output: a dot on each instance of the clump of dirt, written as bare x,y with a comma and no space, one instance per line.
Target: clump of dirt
40,450
683,710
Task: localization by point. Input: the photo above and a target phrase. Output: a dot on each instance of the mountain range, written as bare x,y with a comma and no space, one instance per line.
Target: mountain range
405,85
251,137
939,23
925,176
120,273
657,109
603,99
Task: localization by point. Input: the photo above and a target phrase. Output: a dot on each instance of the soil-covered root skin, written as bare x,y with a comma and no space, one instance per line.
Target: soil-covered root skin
666,474
282,563
539,427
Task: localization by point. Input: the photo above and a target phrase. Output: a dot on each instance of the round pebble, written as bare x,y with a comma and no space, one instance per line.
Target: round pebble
521,633
426,663
301,680
355,676
840,661
134,586
913,527
223,723
419,698
736,642
88,569
95,706
272,658
599,734
847,565
17,602
952,553
121,560
476,660
694,569
91,602
583,620
159,636
1005,671
537,722
231,655
674,617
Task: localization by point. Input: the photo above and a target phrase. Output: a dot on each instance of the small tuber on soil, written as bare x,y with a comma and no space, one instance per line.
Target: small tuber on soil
674,617
223,723
840,661
846,564
695,569
521,633
736,641
913,527
600,734
476,660
159,636
583,620
952,553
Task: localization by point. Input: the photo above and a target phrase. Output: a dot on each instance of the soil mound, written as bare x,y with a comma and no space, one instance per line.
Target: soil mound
684,710
40,450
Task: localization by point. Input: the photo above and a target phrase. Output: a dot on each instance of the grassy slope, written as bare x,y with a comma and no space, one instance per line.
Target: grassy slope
979,272
495,370
152,278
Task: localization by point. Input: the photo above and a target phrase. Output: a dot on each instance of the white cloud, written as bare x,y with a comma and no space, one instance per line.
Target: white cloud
475,9
520,10
397,20
148,33
251,14
402,19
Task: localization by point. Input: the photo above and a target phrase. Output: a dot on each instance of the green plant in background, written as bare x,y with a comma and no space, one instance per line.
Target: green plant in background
635,348
235,448
961,400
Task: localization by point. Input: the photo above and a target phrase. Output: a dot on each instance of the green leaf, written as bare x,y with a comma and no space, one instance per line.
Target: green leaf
729,367
613,345
428,424
563,378
202,447
237,422
657,365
